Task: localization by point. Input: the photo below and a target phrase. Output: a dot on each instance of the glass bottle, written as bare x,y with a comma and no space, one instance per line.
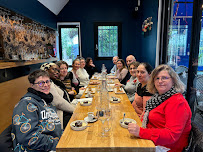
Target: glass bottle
104,96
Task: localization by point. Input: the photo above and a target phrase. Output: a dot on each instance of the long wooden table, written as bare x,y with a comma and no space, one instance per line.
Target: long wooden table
119,140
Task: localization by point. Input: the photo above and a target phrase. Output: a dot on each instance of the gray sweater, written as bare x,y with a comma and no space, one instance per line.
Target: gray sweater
130,88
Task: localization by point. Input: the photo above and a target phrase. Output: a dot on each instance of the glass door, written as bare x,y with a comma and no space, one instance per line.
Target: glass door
179,36
69,42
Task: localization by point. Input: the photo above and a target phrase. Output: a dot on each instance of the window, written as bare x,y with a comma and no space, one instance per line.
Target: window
69,41
107,40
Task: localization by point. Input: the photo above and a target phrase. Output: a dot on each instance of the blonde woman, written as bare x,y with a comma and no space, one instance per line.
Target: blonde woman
167,118
83,76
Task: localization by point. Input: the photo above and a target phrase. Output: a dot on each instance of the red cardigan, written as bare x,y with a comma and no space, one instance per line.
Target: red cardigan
169,124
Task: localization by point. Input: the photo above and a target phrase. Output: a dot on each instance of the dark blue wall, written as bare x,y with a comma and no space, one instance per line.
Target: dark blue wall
89,11
31,9
150,9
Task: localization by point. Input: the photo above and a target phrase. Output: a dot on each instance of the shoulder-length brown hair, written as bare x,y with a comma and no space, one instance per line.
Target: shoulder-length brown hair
178,84
123,62
88,61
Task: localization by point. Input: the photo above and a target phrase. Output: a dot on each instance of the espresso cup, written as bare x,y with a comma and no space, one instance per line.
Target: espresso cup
90,115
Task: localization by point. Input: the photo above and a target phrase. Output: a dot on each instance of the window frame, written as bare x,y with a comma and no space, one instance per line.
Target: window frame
96,24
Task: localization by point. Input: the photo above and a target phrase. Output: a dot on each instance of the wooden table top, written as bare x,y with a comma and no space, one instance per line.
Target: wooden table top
119,140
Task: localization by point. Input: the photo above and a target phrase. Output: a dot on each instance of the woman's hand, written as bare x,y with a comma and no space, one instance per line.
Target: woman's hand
134,129
82,88
92,65
71,92
118,84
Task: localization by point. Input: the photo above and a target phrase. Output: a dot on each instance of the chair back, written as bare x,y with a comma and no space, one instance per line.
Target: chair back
195,140
181,69
6,144
199,90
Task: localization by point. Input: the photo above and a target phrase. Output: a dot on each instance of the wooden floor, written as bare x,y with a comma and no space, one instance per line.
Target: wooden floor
10,93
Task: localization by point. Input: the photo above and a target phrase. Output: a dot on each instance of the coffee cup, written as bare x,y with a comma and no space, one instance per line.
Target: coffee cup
90,115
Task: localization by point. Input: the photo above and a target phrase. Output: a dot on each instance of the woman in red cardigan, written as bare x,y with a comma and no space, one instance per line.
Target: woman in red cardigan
167,118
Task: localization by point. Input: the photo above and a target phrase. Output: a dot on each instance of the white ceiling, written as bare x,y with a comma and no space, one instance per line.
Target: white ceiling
54,6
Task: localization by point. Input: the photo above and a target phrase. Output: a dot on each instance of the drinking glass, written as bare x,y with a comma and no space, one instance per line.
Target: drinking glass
104,116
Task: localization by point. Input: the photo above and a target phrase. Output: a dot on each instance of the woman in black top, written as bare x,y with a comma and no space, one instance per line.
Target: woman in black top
90,67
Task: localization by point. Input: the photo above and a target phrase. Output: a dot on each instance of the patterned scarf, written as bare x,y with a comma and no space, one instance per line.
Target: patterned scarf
154,102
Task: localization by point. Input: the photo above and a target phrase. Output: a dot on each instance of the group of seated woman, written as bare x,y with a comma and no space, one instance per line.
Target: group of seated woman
156,96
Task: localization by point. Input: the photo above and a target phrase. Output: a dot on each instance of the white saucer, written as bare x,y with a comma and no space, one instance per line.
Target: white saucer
110,90
86,96
118,101
84,125
93,90
126,120
120,91
88,120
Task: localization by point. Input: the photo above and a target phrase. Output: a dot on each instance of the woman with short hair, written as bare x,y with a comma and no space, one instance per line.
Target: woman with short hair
167,117
31,113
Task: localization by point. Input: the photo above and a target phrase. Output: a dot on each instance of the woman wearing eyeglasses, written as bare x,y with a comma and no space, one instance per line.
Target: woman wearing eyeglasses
167,117
142,95
32,111
131,85
61,98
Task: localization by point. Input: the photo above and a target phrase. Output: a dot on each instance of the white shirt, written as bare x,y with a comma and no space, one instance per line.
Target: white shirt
83,76
114,69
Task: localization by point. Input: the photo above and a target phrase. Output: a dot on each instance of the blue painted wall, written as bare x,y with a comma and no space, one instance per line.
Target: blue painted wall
31,9
89,11
148,40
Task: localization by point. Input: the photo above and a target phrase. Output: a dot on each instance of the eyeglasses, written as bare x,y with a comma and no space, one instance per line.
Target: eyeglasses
163,78
42,83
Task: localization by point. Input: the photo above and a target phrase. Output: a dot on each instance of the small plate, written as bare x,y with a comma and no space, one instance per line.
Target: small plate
84,125
93,90
94,78
118,101
83,103
120,91
126,120
110,90
93,120
94,83
91,96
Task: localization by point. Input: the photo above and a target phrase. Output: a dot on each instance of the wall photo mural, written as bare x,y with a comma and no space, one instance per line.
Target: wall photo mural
24,39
